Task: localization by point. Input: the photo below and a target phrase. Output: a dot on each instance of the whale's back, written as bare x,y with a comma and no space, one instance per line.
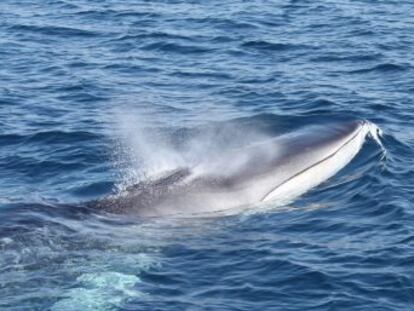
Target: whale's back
270,170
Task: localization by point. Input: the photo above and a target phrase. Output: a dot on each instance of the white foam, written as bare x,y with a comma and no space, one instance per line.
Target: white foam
99,291
376,133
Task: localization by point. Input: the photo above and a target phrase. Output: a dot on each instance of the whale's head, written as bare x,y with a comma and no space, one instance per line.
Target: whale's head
307,157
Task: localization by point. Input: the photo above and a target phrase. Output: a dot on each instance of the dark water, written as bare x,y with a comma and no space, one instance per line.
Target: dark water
95,95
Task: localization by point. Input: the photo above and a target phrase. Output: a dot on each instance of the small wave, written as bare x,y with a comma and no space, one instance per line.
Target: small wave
269,46
176,48
347,58
137,14
11,139
33,167
92,189
61,137
128,68
389,67
222,23
214,75
55,30
258,80
222,39
65,4
152,35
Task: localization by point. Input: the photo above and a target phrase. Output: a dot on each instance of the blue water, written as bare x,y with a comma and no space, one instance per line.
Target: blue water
96,95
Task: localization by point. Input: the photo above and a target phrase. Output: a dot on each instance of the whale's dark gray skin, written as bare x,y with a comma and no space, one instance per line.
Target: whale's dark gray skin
276,170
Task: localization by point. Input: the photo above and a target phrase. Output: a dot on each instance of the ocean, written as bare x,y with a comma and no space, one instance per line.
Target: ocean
96,96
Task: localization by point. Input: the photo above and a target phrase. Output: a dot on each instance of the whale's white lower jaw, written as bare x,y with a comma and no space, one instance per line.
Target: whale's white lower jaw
320,171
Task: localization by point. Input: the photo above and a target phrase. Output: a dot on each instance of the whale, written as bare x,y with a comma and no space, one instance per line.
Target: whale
273,172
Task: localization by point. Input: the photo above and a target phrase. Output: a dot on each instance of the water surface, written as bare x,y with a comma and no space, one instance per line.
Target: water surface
95,95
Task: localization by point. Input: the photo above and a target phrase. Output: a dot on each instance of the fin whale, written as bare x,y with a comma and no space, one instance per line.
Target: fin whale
276,170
